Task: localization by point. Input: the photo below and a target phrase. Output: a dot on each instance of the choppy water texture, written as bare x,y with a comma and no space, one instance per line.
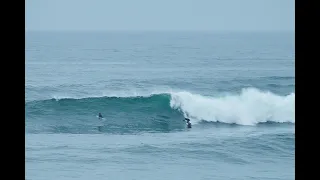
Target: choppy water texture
237,89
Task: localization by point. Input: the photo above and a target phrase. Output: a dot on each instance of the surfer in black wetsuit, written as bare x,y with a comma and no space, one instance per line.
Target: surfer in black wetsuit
188,122
100,116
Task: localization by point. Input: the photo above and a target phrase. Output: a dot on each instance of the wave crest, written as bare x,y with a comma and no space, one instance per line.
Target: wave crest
250,107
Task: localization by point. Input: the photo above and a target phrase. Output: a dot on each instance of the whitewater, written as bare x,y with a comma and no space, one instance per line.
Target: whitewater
248,108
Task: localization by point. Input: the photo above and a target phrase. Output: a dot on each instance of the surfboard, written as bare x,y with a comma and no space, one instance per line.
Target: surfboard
100,118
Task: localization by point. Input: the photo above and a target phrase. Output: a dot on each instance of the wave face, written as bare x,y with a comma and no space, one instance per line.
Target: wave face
162,112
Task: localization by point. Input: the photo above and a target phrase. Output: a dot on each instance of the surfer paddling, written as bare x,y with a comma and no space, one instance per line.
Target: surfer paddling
100,116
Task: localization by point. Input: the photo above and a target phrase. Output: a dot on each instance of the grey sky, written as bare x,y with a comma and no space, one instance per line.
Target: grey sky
216,15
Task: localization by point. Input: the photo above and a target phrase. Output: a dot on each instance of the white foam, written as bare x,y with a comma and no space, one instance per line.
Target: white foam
250,107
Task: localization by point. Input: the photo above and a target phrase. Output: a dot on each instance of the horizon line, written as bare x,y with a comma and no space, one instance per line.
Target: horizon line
151,30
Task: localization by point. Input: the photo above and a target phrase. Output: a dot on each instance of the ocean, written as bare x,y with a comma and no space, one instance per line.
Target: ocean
237,88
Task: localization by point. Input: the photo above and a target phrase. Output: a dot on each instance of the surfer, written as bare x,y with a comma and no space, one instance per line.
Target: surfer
100,116
100,126
188,122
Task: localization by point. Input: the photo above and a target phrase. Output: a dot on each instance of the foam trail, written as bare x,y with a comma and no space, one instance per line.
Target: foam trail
250,107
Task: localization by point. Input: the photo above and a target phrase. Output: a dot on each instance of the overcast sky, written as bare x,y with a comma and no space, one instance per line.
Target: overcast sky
187,15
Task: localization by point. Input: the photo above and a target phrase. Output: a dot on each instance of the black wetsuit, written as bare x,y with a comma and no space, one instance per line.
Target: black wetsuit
188,122
100,116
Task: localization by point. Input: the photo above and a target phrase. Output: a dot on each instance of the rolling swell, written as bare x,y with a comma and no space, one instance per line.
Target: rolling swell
161,112
122,114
